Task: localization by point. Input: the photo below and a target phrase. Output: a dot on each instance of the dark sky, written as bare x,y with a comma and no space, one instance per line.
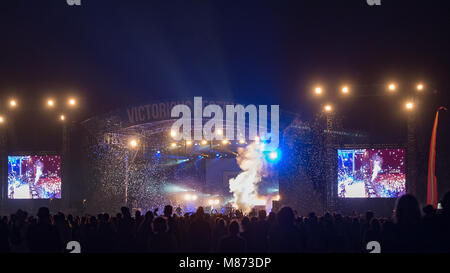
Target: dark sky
120,52
113,53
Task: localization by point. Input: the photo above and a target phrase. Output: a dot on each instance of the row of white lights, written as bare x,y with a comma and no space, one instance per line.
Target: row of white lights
218,132
189,197
204,142
392,87
50,104
133,143
193,197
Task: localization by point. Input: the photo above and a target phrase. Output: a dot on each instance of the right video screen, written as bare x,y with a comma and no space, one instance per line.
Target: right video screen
371,173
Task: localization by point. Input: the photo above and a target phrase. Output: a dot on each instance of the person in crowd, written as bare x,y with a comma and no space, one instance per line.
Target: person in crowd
249,235
261,229
233,243
168,214
161,241
312,229
219,231
443,226
125,236
137,218
4,235
373,232
409,233
63,227
43,236
106,233
143,232
284,237
199,232
19,227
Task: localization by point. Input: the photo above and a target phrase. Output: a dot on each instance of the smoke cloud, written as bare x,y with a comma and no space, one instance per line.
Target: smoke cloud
245,186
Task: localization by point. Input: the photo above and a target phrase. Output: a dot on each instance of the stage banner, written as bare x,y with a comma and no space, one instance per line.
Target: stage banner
432,183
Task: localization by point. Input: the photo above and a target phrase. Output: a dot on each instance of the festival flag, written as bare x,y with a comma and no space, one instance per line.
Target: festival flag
432,182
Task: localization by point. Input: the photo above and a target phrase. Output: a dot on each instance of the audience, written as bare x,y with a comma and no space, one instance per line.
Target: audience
409,230
233,243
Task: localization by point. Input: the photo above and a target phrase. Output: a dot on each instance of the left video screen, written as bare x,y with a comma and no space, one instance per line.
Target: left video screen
34,177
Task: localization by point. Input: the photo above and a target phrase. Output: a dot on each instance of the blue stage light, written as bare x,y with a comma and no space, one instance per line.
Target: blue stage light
217,155
273,156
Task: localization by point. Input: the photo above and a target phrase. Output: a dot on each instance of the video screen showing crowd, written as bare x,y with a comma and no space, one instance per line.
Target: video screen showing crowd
34,177
371,173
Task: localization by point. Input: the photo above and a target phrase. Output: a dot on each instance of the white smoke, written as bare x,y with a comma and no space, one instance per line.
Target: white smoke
244,186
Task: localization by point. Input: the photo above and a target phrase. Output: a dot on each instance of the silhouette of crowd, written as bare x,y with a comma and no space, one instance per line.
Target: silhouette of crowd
408,230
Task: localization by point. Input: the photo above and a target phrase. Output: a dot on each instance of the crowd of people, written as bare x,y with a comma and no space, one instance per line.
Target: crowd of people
408,230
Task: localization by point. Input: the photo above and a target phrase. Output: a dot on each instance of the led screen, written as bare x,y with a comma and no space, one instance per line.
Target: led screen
371,173
34,177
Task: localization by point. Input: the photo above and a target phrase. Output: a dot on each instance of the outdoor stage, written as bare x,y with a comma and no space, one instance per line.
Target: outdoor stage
189,174
129,157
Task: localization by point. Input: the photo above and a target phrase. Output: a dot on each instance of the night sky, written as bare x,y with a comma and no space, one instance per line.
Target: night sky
114,53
